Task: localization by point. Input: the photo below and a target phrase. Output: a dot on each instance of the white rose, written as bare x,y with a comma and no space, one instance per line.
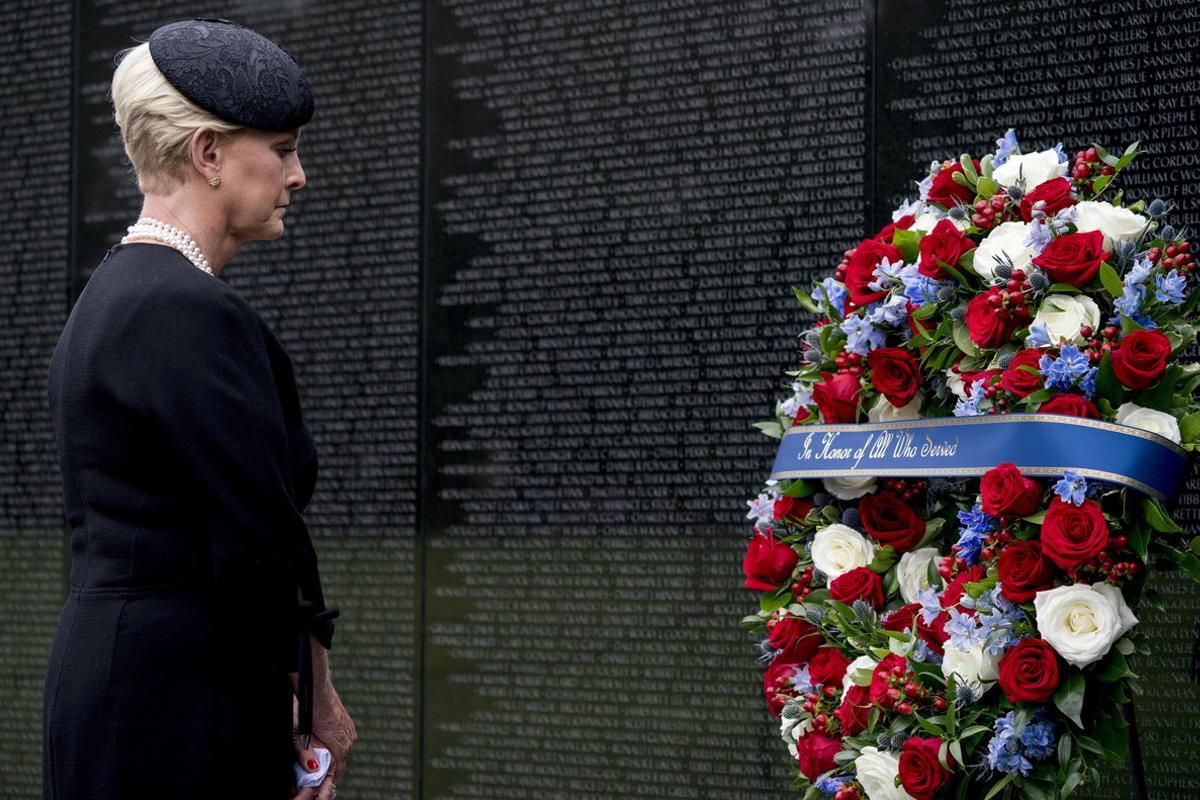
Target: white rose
1033,168
1115,222
929,220
883,411
1064,314
849,488
838,549
1006,243
955,384
1148,419
860,668
1128,620
1082,622
877,771
974,667
913,572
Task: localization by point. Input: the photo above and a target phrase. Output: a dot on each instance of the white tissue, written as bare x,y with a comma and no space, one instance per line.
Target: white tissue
306,779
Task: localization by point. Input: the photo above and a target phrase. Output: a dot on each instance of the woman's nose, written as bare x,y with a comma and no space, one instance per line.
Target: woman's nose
296,178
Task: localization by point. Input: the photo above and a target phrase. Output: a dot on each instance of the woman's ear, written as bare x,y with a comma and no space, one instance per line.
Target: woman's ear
206,153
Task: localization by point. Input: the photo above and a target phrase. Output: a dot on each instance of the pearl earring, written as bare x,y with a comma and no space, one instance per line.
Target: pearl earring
215,182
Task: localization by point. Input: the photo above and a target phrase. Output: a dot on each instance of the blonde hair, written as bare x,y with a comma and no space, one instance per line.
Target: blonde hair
156,121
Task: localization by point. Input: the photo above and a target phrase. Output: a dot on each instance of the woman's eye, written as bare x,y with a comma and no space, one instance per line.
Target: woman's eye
285,150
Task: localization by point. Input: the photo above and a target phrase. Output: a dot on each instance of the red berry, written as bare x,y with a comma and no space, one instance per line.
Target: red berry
821,720
905,708
808,707
1119,542
1171,251
797,588
1081,172
1184,247
939,703
911,689
1107,170
1090,154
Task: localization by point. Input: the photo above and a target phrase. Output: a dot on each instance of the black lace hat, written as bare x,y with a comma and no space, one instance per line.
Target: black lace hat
239,75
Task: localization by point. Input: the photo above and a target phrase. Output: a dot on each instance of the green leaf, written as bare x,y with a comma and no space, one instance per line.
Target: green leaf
1005,781
1069,697
799,488
806,302
1107,385
1036,519
1139,541
956,751
884,559
1157,516
985,186
1038,397
772,602
1108,159
1128,325
1125,647
1064,749
908,242
1158,396
1189,427
1031,790
1064,288
962,338
1115,667
962,180
925,311
772,429
1101,183
968,167
1111,280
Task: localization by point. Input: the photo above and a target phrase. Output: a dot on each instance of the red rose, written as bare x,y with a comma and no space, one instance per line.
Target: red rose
1141,358
1006,491
895,373
767,562
1029,672
945,244
815,754
921,771
793,508
902,618
947,191
828,666
1073,258
1022,382
1056,193
860,583
855,710
934,633
892,664
957,586
888,232
1073,535
860,270
989,326
1070,404
1024,571
795,636
836,397
891,521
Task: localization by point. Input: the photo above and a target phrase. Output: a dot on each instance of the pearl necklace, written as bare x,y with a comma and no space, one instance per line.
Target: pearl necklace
151,228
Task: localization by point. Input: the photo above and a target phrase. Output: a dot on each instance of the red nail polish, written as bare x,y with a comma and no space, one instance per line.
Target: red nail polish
312,765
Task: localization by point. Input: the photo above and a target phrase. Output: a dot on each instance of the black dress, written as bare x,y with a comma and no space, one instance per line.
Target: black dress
185,465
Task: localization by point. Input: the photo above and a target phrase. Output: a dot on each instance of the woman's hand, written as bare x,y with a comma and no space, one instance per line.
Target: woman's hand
326,790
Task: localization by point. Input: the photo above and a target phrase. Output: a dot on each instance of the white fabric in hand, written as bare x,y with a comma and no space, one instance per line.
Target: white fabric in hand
306,779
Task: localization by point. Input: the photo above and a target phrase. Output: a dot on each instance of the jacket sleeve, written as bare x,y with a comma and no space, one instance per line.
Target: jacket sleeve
212,391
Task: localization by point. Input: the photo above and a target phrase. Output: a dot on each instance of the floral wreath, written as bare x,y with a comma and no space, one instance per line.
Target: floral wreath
941,636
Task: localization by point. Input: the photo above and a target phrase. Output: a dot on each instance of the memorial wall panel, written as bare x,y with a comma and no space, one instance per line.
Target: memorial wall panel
35,149
621,194
953,75
340,290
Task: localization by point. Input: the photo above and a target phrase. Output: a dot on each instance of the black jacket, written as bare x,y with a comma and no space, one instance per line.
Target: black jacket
186,465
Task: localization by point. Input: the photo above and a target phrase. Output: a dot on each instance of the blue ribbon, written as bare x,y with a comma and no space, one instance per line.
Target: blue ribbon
1038,444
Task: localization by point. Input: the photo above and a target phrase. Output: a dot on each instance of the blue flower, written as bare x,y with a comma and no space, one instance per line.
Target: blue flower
969,546
1038,336
931,606
976,520
1006,147
1087,384
831,292
1139,272
1072,488
924,653
1169,288
1062,157
892,312
1129,303
802,681
920,289
963,630
1012,751
830,786
970,406
924,185
861,336
908,208
1039,237
887,275
1062,372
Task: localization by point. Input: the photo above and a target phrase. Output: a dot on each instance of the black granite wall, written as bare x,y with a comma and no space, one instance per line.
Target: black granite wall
535,291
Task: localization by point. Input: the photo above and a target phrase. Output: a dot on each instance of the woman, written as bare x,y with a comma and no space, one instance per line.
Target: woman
195,631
